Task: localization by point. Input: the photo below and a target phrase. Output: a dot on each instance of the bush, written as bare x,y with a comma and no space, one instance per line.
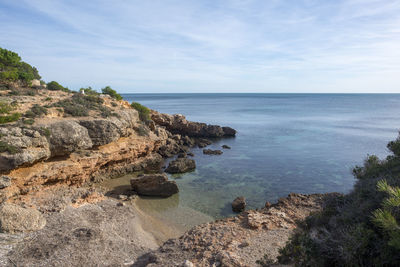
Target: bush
36,111
10,118
111,92
144,112
12,68
6,108
28,121
361,228
89,91
55,86
5,147
79,105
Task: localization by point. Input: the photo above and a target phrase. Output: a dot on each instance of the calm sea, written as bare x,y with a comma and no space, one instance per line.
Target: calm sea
304,143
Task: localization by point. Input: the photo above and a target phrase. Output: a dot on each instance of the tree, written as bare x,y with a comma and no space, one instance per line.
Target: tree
111,92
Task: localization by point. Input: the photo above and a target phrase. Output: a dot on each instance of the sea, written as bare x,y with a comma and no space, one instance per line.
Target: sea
303,143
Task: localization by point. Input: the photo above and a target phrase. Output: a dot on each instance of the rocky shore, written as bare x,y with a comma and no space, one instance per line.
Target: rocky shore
52,213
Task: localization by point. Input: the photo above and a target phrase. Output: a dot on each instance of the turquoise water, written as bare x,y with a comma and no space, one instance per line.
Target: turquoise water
304,143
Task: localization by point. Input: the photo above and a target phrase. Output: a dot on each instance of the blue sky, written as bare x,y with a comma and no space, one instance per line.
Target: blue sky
209,46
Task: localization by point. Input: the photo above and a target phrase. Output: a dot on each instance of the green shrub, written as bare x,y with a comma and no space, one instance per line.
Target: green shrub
89,91
28,121
361,228
55,86
79,105
6,108
36,111
10,118
48,99
111,92
12,68
45,131
144,112
5,147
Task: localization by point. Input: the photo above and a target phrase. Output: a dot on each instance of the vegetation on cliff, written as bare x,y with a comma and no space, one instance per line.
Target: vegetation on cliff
357,229
13,69
144,112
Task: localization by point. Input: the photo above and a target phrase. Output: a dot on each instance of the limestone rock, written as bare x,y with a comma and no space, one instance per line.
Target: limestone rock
177,124
67,137
101,132
212,152
239,204
154,185
181,165
14,218
28,144
5,181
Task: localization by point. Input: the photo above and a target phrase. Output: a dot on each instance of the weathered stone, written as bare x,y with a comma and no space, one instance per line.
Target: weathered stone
239,204
5,181
203,143
181,165
212,152
101,132
178,124
154,185
29,147
14,218
226,147
67,137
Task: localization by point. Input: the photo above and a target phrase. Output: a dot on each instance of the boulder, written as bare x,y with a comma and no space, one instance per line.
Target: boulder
228,131
226,147
212,152
35,83
14,218
67,137
5,181
239,204
181,165
101,132
28,146
154,185
203,143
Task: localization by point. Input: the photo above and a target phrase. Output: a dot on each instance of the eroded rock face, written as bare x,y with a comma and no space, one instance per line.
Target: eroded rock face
67,137
154,185
178,124
239,204
27,147
101,132
14,218
181,165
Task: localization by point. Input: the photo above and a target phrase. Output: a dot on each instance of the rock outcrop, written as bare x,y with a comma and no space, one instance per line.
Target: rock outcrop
14,218
212,152
5,181
25,147
68,136
181,165
178,124
239,204
238,241
154,185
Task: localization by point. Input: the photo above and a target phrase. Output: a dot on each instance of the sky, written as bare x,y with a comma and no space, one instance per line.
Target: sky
205,46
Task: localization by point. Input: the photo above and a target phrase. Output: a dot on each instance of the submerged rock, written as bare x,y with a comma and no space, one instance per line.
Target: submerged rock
212,152
181,165
239,204
226,147
154,185
203,143
14,218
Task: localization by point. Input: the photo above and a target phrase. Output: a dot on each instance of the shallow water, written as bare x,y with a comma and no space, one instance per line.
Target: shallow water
305,143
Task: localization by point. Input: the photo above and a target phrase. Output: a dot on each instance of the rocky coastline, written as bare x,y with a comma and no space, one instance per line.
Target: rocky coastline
51,207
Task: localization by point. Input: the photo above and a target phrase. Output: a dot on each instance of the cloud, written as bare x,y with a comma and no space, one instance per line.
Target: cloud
209,46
